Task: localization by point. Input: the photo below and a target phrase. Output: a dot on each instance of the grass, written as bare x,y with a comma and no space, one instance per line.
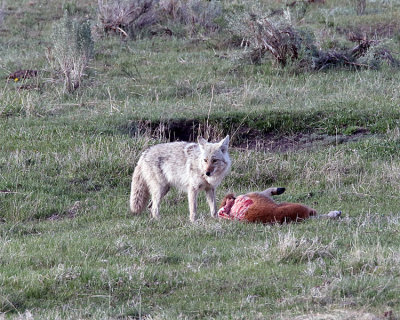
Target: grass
71,250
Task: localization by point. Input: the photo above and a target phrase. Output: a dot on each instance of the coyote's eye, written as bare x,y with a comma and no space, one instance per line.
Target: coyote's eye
214,160
205,160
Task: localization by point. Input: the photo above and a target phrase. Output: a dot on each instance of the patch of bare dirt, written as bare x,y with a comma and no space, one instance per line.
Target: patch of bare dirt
174,130
242,137
300,141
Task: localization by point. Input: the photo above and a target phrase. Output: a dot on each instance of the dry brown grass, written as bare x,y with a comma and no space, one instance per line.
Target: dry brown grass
131,17
71,51
127,17
2,13
275,35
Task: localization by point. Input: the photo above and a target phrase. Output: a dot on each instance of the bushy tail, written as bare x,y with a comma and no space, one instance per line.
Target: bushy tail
139,191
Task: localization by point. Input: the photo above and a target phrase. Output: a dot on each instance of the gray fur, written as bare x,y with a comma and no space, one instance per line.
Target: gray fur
190,167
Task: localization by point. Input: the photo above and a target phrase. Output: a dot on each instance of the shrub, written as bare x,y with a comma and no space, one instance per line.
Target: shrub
286,43
366,54
376,54
274,34
132,17
195,15
127,16
71,51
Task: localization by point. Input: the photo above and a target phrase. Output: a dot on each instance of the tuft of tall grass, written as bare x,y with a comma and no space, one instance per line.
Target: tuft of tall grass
360,6
2,13
288,248
73,47
19,102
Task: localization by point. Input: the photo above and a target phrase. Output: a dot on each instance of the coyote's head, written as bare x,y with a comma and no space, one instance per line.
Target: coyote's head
214,157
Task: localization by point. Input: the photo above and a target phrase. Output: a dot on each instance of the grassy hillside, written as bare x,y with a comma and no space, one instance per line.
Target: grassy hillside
70,249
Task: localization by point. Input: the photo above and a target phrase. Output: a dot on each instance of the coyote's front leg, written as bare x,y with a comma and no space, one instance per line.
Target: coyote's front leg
210,195
192,197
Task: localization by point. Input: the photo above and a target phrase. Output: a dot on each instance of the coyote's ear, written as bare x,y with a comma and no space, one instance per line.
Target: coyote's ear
201,141
224,143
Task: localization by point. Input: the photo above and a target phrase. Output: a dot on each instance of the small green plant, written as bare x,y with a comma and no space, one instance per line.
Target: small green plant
70,6
71,51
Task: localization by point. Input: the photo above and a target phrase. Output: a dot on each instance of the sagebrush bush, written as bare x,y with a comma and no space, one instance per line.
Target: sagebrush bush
275,35
366,54
133,17
377,54
286,43
127,17
197,16
71,51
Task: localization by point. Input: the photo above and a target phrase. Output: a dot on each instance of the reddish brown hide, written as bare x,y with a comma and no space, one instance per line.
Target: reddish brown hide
265,210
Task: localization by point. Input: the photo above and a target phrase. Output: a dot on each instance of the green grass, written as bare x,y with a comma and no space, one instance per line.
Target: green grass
69,248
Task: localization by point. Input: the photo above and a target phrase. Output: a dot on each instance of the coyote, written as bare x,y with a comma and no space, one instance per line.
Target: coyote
259,207
190,167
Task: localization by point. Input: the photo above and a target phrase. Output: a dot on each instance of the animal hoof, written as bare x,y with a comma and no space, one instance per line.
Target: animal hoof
280,190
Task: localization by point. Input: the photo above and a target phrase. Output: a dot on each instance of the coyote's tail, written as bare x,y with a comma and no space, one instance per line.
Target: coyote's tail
139,191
